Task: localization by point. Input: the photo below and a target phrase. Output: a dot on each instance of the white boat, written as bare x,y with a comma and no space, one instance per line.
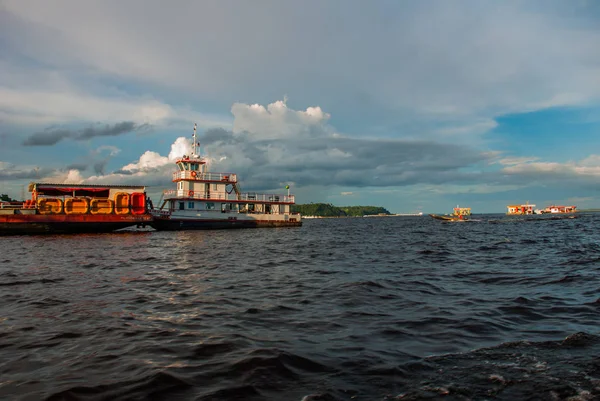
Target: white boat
555,209
210,200
408,214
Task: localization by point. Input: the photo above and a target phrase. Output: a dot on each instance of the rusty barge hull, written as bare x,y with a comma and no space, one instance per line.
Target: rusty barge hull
35,224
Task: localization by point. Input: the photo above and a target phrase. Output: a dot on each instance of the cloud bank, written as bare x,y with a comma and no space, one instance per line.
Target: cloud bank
51,136
272,146
433,66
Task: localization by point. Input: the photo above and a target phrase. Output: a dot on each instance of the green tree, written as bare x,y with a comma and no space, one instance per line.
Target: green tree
328,210
6,198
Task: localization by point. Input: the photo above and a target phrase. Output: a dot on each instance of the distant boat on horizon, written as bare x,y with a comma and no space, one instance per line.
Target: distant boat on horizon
458,214
393,214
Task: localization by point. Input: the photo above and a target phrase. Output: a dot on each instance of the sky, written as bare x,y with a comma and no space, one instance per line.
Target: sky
413,106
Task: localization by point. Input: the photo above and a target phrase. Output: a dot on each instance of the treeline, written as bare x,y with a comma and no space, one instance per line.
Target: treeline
328,210
6,198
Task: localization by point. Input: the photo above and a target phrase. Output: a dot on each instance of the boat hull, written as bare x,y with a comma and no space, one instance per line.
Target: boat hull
174,224
444,218
27,224
449,218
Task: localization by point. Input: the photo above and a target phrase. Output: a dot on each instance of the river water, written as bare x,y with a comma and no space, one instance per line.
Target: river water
389,308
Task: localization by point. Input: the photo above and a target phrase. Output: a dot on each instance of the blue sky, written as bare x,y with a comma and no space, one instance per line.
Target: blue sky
407,105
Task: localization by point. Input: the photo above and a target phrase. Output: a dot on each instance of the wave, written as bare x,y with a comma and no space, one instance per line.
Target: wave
153,386
522,370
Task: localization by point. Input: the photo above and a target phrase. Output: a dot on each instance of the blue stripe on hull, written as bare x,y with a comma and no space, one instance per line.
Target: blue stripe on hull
172,224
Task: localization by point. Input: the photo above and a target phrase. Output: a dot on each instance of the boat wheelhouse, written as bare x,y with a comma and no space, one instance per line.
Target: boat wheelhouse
207,200
69,208
520,209
462,211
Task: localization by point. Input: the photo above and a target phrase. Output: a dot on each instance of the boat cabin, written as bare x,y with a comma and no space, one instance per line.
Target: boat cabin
462,211
560,209
520,209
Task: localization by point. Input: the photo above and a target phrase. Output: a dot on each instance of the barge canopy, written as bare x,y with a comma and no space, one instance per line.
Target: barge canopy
96,191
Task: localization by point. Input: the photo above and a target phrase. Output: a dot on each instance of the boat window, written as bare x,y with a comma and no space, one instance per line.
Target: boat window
180,166
210,206
190,205
215,187
195,167
181,205
251,207
180,184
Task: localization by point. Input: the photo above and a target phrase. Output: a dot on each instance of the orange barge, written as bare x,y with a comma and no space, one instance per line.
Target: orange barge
67,208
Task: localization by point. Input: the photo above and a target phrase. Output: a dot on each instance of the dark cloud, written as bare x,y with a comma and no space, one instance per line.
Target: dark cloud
123,172
218,135
47,138
51,136
10,173
100,166
336,161
77,166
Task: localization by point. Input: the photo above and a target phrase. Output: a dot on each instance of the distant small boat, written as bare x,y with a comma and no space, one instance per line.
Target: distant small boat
451,218
529,209
459,214
520,209
555,209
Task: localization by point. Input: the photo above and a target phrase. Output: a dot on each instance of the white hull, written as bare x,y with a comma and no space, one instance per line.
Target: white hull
196,220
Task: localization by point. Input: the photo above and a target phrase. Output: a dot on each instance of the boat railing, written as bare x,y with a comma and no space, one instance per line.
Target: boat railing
196,175
266,198
224,196
17,205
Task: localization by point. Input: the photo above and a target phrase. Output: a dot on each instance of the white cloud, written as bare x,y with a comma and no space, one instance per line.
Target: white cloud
150,160
67,177
112,150
347,193
586,168
276,120
508,161
471,61
46,107
181,146
39,107
590,161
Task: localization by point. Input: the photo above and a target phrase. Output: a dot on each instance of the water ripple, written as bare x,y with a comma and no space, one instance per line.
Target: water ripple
339,309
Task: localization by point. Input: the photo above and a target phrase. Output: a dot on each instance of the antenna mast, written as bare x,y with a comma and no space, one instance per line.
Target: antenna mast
194,142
